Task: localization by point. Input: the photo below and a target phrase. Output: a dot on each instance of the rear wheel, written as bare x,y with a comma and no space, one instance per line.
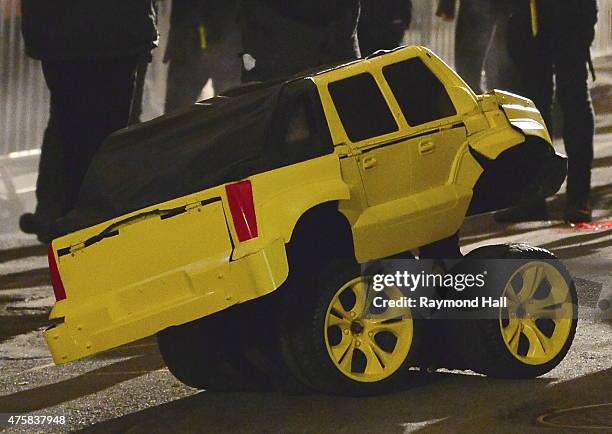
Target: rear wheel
532,335
340,342
208,354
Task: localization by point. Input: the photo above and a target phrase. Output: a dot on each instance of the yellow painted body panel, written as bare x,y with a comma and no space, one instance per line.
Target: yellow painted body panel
398,192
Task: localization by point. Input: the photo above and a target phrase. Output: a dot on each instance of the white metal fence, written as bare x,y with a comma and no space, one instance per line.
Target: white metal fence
24,100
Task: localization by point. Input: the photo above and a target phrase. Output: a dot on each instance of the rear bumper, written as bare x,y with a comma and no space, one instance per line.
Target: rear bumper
99,326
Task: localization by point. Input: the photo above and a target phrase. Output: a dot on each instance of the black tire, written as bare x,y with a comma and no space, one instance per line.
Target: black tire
263,347
483,348
208,354
304,337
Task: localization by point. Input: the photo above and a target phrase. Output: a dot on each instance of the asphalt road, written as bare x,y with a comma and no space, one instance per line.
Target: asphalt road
129,389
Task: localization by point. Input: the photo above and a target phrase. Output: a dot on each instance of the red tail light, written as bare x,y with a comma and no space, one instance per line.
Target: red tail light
240,199
56,280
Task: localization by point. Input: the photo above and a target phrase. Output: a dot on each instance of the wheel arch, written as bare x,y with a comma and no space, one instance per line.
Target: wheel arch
321,233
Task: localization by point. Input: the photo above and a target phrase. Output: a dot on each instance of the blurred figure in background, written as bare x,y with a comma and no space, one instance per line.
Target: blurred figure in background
282,38
90,51
551,42
204,43
382,24
481,42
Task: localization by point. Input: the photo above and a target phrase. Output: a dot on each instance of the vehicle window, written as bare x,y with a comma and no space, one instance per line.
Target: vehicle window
299,125
362,107
419,93
296,135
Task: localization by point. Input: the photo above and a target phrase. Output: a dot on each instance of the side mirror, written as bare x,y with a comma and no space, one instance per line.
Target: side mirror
463,100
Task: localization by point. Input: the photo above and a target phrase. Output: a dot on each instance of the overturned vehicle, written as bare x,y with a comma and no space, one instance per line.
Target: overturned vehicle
237,231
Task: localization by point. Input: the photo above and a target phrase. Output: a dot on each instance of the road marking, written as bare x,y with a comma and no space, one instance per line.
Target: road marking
122,372
543,421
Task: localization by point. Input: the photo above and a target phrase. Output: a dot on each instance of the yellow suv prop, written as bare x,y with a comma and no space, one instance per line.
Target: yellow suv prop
412,151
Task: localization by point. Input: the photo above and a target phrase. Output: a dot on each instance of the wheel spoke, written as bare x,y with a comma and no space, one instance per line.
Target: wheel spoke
360,289
550,308
338,309
512,330
346,359
514,341
539,344
392,313
393,292
382,355
396,327
333,320
374,366
338,351
532,278
510,294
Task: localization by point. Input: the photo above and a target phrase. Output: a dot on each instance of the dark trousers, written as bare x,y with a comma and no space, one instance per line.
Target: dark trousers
190,66
51,182
480,43
557,61
90,99
187,77
569,71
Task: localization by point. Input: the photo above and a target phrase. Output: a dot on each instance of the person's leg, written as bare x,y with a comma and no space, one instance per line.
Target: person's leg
578,129
225,62
50,184
93,99
186,78
50,194
500,70
473,34
534,63
137,101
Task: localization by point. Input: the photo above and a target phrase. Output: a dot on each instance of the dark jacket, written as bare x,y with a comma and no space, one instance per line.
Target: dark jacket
286,37
88,29
196,25
382,24
564,27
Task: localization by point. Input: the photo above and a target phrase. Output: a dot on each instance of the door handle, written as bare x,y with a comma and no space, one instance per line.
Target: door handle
369,163
427,147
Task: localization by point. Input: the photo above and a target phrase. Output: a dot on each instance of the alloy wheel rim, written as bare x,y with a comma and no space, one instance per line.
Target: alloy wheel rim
536,324
365,343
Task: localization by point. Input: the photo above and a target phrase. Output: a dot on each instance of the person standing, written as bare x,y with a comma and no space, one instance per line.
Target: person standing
204,43
480,42
551,45
90,51
282,38
382,24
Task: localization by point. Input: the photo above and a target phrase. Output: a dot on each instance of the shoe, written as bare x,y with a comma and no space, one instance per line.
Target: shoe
534,211
32,224
29,223
578,212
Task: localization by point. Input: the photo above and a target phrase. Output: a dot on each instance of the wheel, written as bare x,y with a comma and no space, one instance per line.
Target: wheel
530,336
208,354
340,342
263,346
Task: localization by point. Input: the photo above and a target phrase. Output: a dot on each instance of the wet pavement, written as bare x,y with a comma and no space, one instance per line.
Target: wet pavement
129,389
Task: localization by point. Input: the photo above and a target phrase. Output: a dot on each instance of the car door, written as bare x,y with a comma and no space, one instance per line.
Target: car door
433,122
363,116
374,136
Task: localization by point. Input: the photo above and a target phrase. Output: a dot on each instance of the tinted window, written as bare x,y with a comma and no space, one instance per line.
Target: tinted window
419,93
296,134
299,125
362,107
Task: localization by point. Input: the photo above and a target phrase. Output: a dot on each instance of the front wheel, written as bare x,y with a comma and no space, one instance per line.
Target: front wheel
534,331
340,342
